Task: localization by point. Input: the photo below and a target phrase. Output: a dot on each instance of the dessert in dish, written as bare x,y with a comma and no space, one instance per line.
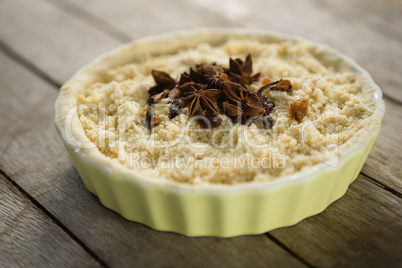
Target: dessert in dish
236,110
221,121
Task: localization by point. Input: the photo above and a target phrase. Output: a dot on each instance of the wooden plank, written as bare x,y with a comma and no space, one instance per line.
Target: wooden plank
54,41
140,18
28,238
362,229
380,53
388,14
384,161
33,156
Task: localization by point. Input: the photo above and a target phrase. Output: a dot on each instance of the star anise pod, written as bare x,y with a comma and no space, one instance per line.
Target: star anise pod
151,120
155,90
216,79
156,98
268,122
210,84
298,109
282,85
208,120
242,103
163,82
163,79
174,94
241,72
175,109
197,77
209,68
184,78
268,104
200,99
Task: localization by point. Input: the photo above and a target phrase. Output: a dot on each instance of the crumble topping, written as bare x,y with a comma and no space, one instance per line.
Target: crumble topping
112,113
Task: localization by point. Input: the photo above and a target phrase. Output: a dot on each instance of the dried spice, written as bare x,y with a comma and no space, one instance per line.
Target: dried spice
175,109
268,122
151,120
209,89
163,79
184,78
155,90
208,120
197,77
282,85
156,98
201,99
241,72
175,93
216,79
242,104
298,109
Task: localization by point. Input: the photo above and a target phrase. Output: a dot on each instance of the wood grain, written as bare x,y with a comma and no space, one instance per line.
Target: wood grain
33,156
362,229
322,21
139,18
351,35
51,39
380,16
28,238
384,161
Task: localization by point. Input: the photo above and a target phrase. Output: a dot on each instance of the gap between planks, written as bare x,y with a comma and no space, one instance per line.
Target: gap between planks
27,64
382,185
91,19
287,249
54,219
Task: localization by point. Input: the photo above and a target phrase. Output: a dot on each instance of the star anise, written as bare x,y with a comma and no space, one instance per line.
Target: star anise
151,120
282,85
199,99
210,86
156,98
163,79
174,94
197,77
243,104
215,79
184,78
164,84
209,68
241,72
175,109
208,120
268,122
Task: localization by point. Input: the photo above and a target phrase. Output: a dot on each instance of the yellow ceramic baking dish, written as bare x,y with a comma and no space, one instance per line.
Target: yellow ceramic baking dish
213,210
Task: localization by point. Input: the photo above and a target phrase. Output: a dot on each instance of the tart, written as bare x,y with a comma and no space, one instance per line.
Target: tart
219,132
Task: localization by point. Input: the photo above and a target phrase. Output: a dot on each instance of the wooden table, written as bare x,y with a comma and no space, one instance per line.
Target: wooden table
49,219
